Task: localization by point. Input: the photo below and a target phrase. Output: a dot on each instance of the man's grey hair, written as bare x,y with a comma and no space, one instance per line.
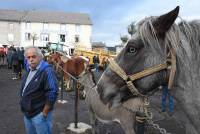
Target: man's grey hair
37,51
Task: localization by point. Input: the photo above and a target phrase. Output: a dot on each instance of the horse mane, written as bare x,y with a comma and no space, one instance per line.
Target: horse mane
183,38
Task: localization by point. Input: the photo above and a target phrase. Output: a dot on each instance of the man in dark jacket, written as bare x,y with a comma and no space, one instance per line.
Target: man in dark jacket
20,53
38,93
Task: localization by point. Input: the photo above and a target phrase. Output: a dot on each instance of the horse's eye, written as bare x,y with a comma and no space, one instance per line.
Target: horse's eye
132,50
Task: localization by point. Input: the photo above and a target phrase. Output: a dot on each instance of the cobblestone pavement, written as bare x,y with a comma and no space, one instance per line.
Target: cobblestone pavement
12,118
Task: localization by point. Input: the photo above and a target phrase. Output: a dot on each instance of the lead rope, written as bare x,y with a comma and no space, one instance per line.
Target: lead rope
149,117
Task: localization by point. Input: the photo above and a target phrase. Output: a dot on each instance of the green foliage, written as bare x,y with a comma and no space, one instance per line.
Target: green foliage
124,39
132,28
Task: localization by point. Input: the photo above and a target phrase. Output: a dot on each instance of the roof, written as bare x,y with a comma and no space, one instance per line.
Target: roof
45,16
120,45
98,44
112,49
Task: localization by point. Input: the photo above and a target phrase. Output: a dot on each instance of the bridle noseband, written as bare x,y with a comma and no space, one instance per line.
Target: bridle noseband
169,64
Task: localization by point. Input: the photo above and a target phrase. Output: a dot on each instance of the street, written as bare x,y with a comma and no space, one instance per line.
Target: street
12,118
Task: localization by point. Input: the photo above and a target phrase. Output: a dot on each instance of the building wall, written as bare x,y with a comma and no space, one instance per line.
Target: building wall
54,30
85,36
118,49
9,34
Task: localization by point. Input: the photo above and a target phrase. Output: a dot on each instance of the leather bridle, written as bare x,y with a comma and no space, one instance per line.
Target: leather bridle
169,64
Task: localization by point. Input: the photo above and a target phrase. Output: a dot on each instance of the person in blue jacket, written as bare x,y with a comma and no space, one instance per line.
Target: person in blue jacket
38,93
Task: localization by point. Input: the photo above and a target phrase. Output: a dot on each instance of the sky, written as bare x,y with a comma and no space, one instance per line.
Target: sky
110,18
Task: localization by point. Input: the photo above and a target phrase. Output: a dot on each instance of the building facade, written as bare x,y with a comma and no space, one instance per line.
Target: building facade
41,28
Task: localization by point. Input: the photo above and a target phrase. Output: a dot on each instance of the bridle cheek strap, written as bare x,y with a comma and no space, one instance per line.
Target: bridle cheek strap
130,78
172,69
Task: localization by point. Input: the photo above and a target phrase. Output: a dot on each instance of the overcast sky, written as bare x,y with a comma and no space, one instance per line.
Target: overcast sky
110,18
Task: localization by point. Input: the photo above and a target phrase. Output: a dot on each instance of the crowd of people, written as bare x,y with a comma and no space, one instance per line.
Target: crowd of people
96,62
14,59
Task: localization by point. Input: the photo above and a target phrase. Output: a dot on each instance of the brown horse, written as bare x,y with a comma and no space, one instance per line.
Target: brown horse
74,66
55,59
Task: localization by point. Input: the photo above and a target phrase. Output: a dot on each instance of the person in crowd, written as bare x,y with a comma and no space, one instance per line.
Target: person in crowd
15,64
166,94
104,63
96,62
38,93
1,56
20,53
9,58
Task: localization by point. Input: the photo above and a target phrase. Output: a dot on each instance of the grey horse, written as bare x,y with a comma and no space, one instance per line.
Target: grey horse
124,114
149,47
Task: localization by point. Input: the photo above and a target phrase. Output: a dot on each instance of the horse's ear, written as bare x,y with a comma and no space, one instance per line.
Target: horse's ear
163,23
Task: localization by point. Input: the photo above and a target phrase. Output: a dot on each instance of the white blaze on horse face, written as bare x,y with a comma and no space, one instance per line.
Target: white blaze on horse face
85,65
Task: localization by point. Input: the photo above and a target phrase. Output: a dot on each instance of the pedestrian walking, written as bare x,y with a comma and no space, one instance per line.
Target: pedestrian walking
38,93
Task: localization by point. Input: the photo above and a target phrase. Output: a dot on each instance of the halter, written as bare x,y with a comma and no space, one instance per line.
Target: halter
170,63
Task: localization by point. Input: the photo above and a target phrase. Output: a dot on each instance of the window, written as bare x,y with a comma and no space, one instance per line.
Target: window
28,25
71,51
78,29
11,26
76,38
62,38
27,36
44,37
45,26
10,37
62,27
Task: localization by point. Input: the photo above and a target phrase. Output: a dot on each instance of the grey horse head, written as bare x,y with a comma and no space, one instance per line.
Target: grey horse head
146,48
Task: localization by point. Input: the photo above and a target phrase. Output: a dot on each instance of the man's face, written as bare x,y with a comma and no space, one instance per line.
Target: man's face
33,58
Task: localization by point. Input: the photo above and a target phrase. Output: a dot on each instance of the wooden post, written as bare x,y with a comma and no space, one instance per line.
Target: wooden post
76,104
62,85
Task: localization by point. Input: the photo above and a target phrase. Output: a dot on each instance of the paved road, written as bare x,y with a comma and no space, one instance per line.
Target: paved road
12,118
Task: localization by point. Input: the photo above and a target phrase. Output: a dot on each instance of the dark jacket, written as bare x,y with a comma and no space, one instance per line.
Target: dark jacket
95,59
15,58
41,90
20,54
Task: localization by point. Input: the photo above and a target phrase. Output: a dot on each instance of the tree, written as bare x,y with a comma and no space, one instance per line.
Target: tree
124,39
34,37
131,28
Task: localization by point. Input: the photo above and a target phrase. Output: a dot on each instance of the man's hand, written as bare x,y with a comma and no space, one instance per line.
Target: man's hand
45,111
